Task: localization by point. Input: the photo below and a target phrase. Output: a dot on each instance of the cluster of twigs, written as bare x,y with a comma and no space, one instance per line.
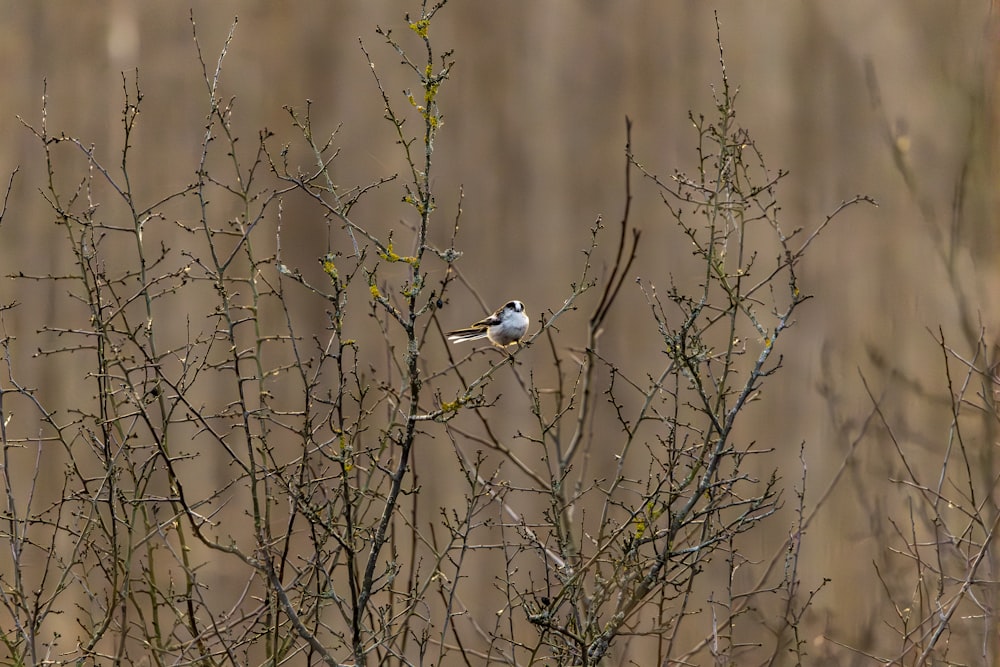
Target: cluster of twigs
237,485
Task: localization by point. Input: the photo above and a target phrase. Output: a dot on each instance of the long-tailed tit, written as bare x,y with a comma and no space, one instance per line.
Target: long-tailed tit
503,327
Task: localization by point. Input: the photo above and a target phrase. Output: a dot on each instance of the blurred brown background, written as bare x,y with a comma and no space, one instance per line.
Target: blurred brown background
534,132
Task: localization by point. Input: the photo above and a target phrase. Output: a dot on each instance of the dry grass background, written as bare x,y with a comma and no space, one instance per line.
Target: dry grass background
534,134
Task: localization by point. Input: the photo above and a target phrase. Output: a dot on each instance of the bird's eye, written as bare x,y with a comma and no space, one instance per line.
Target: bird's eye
511,305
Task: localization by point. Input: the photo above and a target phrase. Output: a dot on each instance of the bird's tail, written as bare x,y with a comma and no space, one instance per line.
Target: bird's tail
461,335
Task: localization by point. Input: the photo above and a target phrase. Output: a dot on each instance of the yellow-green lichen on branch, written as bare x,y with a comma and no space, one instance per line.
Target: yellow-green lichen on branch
390,256
415,203
640,527
346,453
451,406
329,268
430,92
420,27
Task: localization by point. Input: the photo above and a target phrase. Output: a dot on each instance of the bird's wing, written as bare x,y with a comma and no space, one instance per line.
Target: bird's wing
487,322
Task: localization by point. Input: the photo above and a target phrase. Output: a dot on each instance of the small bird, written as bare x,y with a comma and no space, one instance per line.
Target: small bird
503,327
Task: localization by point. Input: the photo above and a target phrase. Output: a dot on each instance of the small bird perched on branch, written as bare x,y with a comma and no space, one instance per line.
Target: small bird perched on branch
507,325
